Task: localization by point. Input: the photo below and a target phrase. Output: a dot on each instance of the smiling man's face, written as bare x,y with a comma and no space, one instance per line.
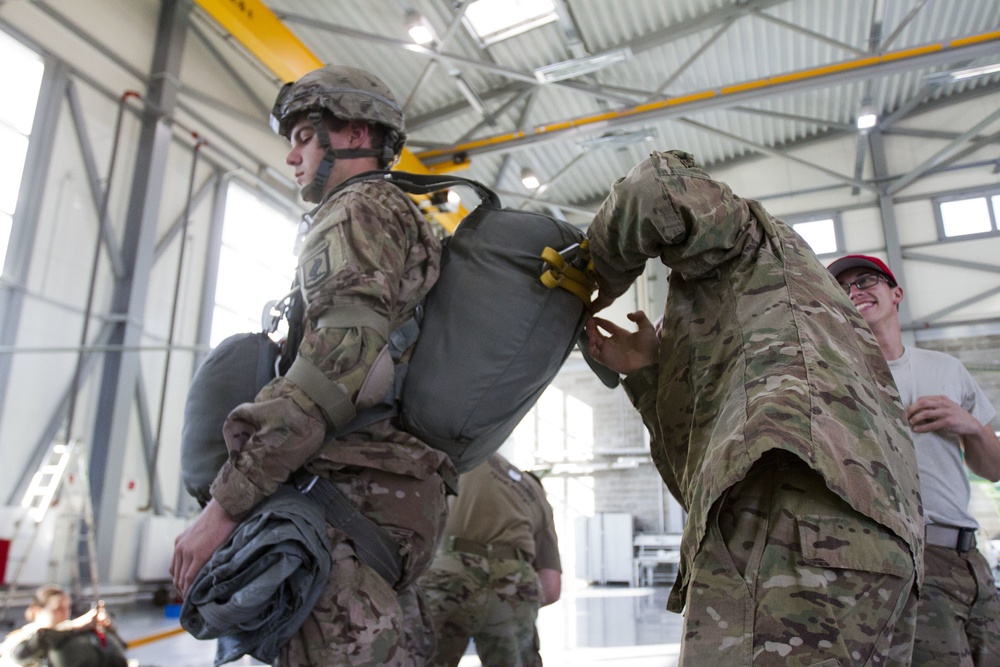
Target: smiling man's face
877,301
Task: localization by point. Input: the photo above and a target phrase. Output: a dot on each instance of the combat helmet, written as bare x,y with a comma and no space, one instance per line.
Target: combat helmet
347,93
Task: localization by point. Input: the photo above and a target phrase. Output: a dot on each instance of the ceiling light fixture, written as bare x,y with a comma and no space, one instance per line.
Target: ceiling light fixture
618,138
952,76
529,180
569,69
470,95
867,117
419,28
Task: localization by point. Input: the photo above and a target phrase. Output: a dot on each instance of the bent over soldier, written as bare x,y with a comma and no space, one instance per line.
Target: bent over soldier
367,259
773,420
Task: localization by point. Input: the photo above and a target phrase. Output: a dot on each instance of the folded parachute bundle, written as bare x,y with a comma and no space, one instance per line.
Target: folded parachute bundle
260,586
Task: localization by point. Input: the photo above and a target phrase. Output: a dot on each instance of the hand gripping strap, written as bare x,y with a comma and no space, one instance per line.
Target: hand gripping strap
324,392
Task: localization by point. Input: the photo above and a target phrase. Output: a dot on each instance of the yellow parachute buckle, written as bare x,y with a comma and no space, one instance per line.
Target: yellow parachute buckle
571,269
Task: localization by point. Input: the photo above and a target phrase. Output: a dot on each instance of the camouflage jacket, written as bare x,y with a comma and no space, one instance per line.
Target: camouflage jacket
367,245
760,349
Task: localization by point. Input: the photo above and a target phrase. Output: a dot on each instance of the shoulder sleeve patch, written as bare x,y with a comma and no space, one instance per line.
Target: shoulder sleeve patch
314,267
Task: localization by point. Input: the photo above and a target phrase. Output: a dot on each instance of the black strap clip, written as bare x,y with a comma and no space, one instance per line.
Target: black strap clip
966,540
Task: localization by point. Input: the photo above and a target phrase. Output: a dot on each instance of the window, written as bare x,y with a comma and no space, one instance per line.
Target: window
558,429
20,79
967,216
256,262
496,20
822,235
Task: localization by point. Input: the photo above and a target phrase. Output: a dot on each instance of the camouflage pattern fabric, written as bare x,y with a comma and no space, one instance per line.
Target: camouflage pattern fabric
347,92
368,245
760,350
495,601
359,621
958,615
790,575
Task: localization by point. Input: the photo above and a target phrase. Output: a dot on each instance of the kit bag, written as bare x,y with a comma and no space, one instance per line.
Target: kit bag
493,334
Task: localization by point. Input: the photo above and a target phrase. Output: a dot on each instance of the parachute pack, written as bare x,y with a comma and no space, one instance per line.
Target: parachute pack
504,315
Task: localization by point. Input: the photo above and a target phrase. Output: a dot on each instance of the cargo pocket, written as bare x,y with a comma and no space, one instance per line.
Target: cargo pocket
853,543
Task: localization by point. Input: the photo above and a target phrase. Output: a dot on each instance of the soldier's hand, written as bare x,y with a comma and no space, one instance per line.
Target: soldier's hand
195,546
621,350
937,413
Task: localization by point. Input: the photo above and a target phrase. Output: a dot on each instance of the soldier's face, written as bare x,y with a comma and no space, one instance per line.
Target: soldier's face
306,153
876,303
55,611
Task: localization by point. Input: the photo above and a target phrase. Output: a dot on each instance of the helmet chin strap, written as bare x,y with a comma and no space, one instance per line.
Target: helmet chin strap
313,192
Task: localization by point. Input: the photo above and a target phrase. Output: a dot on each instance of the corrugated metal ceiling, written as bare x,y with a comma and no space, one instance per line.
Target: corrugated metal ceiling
679,47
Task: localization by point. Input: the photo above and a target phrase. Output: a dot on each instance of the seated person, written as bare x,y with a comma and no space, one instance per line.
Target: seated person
52,638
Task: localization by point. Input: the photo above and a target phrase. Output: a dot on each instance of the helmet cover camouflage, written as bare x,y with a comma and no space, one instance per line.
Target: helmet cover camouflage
348,93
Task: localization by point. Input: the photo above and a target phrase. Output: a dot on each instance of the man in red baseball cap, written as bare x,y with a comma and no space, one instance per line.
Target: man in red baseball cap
958,615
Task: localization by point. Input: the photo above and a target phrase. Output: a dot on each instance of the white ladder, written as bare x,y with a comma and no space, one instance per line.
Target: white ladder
46,480
38,498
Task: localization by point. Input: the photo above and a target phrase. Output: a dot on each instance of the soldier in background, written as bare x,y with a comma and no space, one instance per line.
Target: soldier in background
368,257
774,422
53,638
498,564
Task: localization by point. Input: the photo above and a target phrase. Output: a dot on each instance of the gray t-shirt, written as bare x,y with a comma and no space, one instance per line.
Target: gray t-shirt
944,483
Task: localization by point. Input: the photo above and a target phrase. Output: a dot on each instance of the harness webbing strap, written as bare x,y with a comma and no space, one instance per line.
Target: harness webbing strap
331,398
351,316
371,542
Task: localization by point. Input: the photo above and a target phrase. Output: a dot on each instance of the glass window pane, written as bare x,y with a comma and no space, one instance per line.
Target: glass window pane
996,209
256,262
4,238
13,150
965,216
20,79
494,20
819,234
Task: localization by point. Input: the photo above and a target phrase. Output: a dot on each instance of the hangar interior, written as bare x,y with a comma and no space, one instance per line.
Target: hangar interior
146,211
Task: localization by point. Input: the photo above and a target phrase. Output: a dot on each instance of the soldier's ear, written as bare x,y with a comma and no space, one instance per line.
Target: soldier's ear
357,134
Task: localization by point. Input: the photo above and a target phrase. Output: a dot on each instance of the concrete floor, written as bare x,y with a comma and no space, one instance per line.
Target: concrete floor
593,626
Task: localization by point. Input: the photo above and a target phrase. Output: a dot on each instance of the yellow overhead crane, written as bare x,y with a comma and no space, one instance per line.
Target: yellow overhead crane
264,35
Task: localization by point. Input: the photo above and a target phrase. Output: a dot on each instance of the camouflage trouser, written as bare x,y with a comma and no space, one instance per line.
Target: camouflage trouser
360,621
494,601
958,616
789,574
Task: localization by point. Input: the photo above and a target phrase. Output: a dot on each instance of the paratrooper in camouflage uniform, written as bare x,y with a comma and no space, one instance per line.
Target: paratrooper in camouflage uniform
367,247
775,423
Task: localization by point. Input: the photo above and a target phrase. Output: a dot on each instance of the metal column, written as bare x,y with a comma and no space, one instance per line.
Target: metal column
121,369
890,228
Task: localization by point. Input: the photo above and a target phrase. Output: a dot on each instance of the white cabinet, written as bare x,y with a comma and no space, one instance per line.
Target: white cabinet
604,548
